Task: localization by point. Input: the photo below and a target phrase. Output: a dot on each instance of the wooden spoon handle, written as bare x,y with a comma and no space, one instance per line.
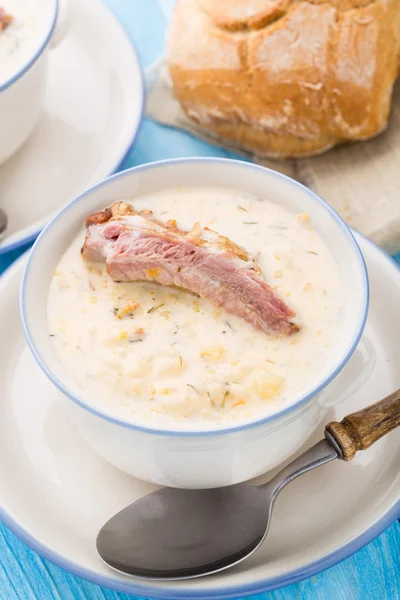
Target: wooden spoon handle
360,430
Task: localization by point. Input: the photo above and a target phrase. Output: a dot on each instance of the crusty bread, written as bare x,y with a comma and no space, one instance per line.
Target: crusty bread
286,77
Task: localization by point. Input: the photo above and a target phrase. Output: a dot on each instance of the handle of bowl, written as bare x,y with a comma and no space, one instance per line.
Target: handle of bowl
360,430
62,25
359,367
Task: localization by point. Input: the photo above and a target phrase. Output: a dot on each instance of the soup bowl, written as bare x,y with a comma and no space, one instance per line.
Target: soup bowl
22,92
214,457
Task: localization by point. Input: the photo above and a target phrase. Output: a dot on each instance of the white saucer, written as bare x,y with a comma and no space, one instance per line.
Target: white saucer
93,109
56,492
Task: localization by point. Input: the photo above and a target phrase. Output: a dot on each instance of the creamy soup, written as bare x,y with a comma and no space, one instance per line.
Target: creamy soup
22,38
163,357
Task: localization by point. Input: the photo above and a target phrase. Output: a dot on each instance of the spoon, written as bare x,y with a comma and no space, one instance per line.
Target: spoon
180,534
3,221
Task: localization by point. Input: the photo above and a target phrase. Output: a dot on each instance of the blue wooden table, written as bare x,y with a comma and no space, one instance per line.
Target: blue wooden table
373,573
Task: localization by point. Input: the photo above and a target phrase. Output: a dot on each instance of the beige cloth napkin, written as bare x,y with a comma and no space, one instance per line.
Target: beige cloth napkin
361,180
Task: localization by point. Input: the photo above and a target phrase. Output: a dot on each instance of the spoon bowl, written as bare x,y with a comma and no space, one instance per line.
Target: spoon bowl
3,222
174,534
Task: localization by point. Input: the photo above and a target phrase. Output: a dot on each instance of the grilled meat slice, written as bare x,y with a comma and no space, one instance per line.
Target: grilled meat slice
137,247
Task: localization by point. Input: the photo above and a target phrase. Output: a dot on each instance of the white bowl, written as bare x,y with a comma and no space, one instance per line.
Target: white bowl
22,94
196,459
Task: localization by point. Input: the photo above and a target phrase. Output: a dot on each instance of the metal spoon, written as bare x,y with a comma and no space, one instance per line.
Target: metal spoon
3,221
180,534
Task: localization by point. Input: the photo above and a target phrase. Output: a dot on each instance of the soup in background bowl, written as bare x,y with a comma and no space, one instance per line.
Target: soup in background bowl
168,386
24,45
22,37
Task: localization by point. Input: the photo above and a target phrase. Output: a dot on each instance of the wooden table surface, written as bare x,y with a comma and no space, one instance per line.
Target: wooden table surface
373,573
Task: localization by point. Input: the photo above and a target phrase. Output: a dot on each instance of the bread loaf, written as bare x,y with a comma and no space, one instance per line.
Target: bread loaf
286,77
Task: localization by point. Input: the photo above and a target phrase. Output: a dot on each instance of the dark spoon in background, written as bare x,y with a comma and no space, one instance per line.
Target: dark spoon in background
180,534
3,222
